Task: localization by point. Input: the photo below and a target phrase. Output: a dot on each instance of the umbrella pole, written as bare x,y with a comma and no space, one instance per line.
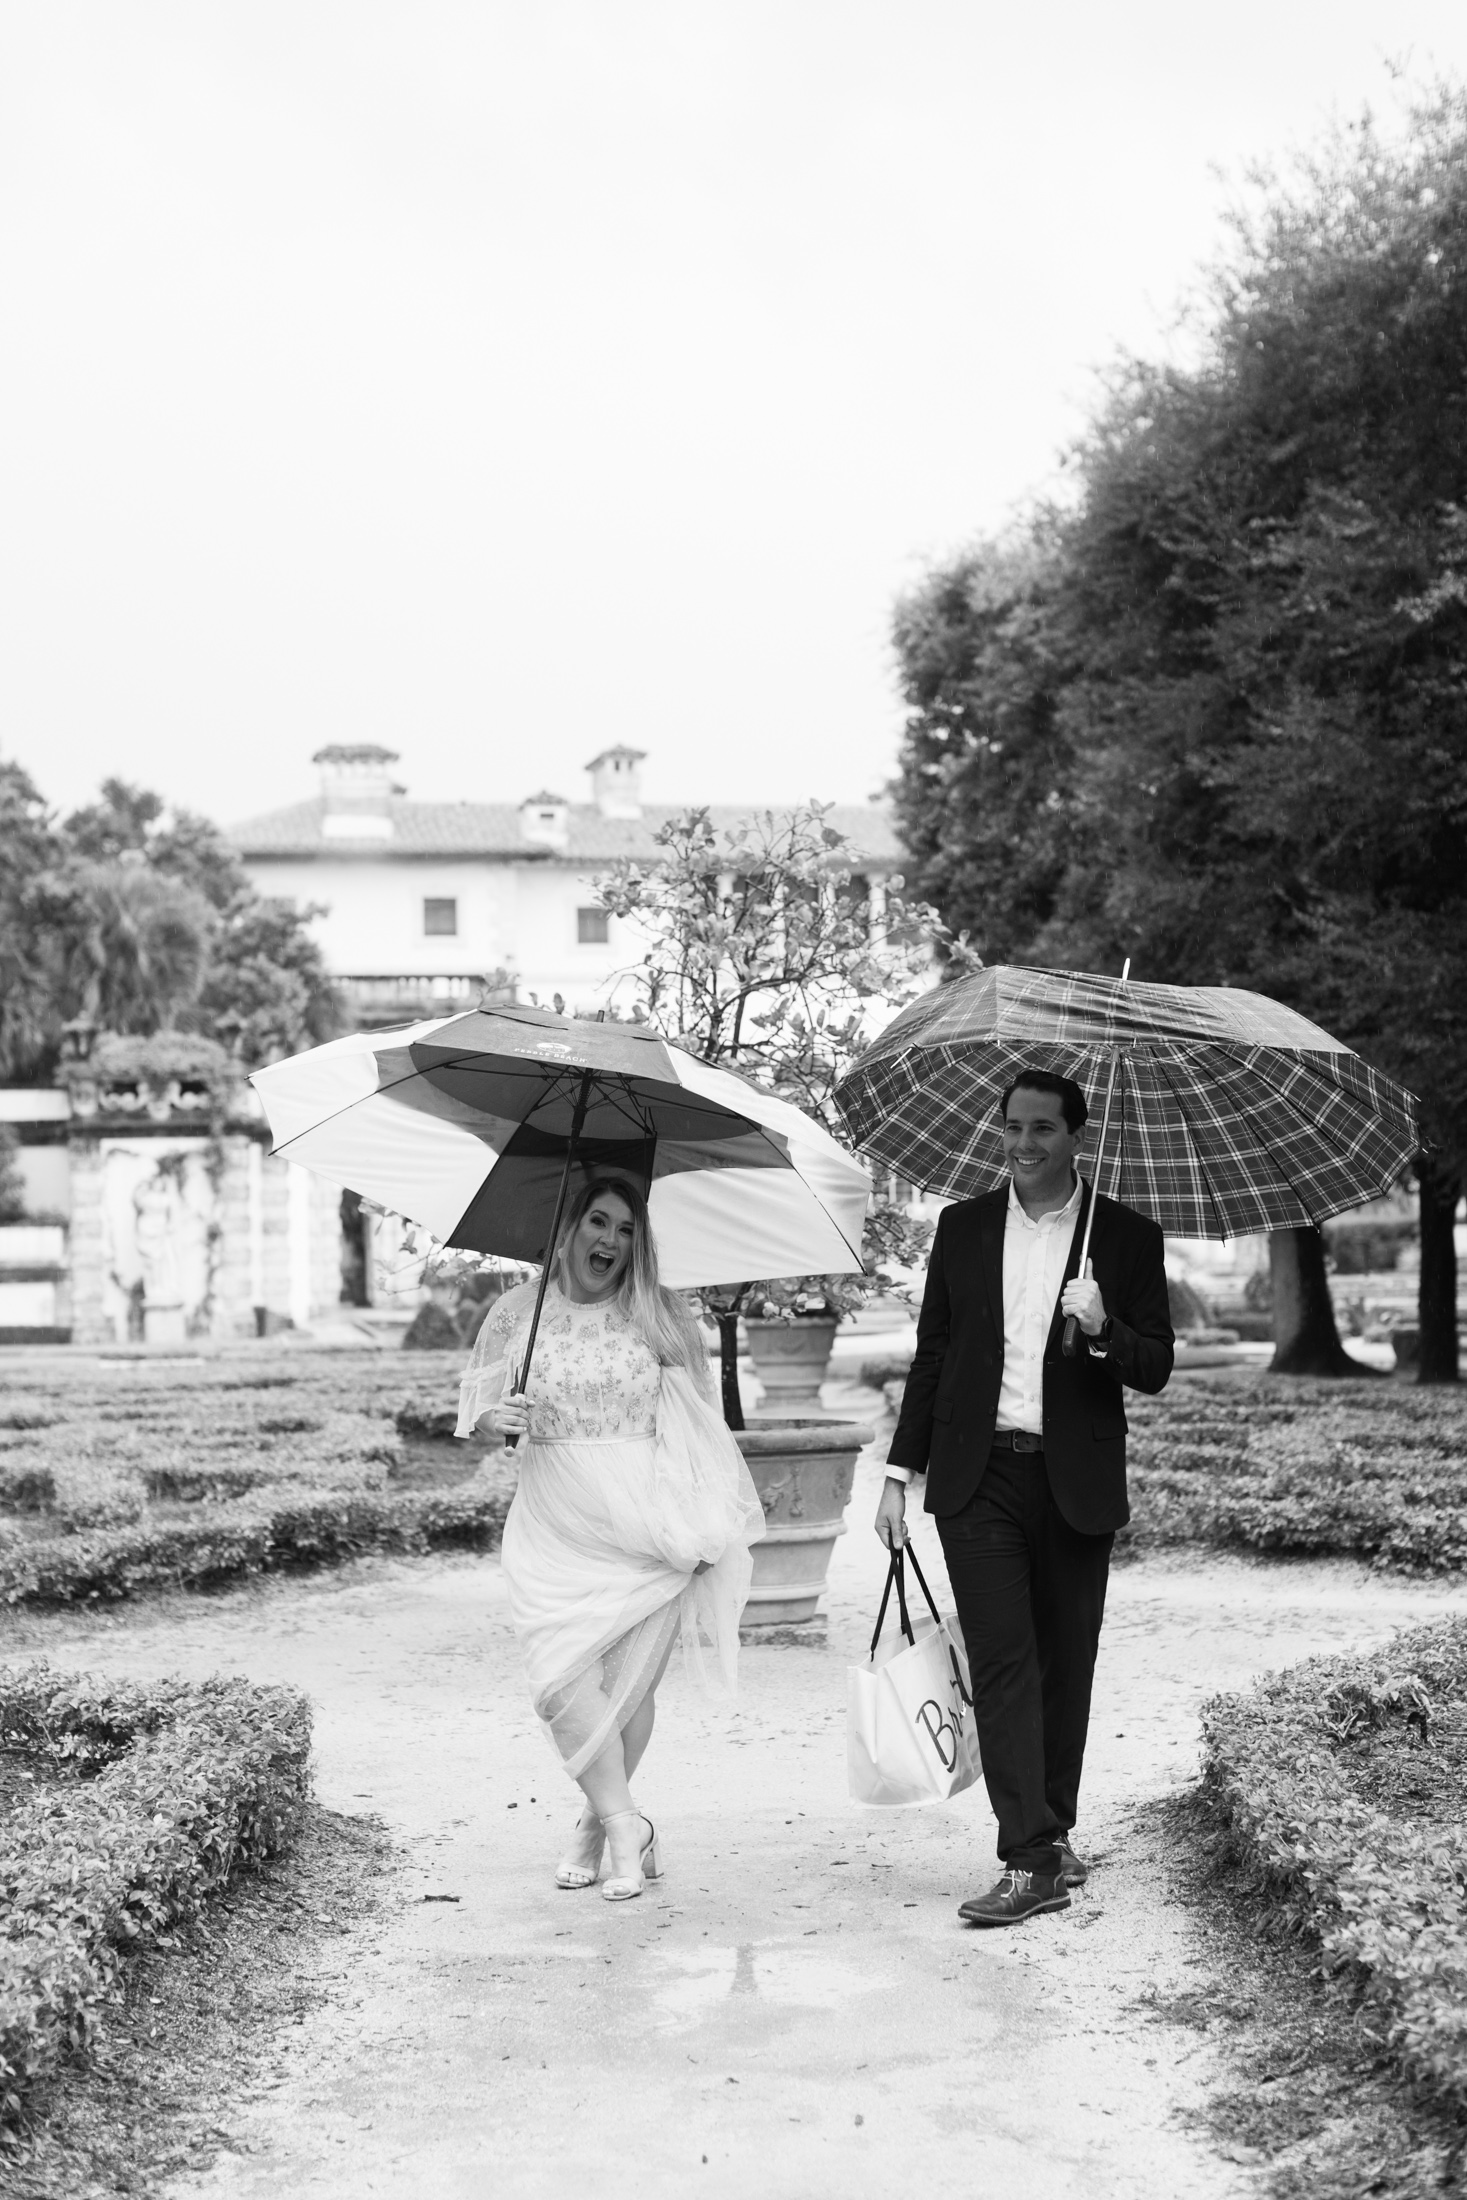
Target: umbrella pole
512,1442
1070,1343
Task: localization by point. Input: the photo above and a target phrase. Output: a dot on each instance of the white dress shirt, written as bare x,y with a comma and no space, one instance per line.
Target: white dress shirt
1034,1257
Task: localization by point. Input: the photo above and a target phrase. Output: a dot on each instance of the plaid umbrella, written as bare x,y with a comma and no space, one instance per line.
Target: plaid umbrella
1232,1113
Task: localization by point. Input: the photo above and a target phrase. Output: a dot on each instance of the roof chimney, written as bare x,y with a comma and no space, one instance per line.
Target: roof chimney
356,787
545,818
616,782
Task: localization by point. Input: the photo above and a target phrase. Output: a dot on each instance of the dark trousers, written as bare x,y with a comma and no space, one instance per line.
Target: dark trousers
1030,1593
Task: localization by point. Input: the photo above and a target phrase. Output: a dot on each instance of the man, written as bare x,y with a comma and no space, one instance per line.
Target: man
1024,1452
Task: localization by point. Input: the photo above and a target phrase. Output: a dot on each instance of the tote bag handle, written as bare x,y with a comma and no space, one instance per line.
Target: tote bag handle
894,1573
932,1608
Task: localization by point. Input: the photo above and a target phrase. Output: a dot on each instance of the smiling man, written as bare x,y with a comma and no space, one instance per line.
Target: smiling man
1024,1452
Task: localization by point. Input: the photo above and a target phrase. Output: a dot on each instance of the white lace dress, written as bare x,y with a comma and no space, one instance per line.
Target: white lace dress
628,1481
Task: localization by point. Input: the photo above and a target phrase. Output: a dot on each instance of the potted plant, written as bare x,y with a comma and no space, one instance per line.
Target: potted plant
770,951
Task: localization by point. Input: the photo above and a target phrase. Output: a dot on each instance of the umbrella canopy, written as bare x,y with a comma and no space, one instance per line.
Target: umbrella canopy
465,1124
1229,1112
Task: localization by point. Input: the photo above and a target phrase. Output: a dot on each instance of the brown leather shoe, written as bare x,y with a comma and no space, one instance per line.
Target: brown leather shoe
1072,1872
1018,1895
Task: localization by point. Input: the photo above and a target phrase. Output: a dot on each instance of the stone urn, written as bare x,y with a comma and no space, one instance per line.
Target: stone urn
790,1359
803,1471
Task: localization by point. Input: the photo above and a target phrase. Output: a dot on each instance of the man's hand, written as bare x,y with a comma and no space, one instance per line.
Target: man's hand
891,1514
1082,1298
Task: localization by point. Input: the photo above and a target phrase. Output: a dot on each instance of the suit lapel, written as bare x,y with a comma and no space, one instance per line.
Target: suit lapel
991,1222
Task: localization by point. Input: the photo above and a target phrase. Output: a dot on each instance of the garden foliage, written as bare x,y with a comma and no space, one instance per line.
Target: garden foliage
138,1476
145,1800
1207,713
1383,1889
1376,1470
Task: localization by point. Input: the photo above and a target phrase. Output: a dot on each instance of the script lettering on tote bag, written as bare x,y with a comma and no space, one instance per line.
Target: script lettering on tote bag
937,1726
910,1734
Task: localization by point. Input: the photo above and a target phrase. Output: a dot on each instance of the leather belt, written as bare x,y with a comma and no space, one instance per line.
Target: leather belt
1017,1439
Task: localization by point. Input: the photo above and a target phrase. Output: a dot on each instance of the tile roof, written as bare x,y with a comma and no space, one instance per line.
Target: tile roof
493,829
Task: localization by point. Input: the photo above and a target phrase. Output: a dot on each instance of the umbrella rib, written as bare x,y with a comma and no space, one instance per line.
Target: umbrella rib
334,1114
561,1073
607,1081
1159,1065
1288,1100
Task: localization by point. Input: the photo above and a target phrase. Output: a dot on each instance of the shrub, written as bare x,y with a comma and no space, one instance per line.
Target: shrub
188,1782
1372,1469
138,1474
271,1530
1383,1894
1370,1246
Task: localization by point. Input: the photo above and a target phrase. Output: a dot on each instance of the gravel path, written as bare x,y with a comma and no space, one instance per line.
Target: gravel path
795,2009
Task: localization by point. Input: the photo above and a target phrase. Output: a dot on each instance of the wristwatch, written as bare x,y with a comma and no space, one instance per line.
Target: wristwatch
1099,1344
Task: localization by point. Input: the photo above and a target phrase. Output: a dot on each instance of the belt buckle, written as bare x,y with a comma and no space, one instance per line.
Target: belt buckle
1026,1440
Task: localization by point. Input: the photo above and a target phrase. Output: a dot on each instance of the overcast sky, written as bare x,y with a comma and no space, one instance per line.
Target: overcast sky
499,380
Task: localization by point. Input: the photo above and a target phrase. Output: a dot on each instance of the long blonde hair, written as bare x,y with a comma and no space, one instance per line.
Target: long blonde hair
663,1319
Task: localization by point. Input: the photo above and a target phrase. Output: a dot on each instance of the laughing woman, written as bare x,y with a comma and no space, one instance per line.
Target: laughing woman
631,1526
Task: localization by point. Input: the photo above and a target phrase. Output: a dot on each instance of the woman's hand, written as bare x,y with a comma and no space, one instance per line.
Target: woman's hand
511,1417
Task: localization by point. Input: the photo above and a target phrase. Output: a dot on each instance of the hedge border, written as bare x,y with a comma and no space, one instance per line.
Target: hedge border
198,1780
250,1536
1382,1895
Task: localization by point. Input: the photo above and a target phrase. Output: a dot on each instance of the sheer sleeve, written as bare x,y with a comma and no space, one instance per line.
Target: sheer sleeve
485,1377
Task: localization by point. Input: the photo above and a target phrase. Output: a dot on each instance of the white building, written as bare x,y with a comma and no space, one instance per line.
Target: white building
426,903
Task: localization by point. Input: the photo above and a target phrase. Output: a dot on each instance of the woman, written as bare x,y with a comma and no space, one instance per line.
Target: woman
631,1526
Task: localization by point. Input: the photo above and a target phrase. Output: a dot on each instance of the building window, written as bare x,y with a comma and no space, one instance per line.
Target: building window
591,927
440,919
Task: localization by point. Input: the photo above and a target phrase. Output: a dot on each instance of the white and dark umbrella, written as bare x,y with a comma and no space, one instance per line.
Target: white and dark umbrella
476,1126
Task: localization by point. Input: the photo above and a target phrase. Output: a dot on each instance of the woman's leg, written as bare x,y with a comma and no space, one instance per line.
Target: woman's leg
637,1732
604,1781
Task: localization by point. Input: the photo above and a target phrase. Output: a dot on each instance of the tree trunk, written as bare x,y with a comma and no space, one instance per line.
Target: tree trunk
1305,1339
728,1355
1437,1304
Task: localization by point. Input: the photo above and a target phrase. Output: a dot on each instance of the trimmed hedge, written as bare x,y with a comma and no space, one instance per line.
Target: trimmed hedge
1384,1895
135,1476
260,1535
170,1789
1271,1463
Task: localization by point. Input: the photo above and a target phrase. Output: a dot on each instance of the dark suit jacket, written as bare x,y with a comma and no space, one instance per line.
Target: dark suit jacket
950,1404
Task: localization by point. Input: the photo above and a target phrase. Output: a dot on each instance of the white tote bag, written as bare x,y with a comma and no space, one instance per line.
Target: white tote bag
910,1731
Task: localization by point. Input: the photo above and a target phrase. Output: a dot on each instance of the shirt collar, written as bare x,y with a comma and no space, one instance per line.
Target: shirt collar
1056,1215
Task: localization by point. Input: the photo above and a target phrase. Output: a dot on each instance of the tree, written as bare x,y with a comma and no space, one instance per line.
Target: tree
143,919
128,946
29,847
1253,629
986,757
765,953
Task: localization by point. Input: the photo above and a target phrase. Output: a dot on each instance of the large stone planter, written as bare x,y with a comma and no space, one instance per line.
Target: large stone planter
790,1359
803,1471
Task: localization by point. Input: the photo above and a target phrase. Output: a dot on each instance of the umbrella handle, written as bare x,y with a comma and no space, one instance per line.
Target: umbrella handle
1070,1341
511,1443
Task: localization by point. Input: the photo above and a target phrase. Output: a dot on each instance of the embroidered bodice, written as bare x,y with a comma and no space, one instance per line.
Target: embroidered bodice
592,1376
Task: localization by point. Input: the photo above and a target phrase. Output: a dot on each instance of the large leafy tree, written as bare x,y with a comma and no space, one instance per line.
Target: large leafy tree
143,919
1252,631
